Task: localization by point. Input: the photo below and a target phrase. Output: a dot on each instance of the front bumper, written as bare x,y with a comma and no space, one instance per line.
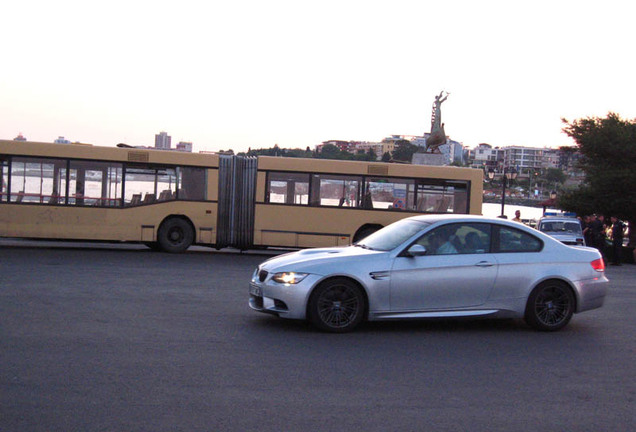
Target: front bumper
283,300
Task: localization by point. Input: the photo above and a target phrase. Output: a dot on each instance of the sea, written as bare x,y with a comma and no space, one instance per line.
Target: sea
494,210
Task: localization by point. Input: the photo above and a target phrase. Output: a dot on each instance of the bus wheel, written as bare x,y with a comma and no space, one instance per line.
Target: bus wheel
175,235
155,246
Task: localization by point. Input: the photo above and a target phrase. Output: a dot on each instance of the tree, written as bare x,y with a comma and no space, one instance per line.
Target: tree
555,176
608,149
386,157
330,151
404,151
371,156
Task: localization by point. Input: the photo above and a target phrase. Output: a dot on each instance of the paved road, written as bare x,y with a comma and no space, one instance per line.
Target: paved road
123,339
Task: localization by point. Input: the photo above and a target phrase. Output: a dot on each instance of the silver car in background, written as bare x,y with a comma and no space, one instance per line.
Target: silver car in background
567,230
434,266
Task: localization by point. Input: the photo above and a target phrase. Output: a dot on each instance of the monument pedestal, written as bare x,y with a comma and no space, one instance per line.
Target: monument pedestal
436,159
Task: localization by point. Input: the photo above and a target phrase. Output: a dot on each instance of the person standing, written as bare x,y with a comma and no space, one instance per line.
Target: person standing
598,234
587,231
618,229
517,217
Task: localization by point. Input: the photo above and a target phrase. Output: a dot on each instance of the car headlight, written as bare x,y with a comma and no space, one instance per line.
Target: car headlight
289,277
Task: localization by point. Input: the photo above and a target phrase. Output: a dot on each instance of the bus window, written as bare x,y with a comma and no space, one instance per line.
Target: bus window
288,188
95,183
167,184
389,193
38,181
140,185
435,196
4,179
192,184
335,190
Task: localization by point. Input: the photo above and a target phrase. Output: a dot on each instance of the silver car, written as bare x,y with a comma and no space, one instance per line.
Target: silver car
434,266
565,229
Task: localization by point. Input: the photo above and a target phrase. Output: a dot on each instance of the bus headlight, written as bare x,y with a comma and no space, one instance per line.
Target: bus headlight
289,278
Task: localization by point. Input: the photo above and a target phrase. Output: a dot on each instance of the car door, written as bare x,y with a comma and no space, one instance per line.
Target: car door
519,262
453,274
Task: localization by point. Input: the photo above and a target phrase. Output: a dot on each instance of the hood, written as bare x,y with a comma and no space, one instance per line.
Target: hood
312,260
565,237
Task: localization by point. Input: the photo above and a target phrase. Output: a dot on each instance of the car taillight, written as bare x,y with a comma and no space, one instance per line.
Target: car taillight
598,265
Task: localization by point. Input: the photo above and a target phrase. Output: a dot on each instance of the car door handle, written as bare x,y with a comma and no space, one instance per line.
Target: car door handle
484,264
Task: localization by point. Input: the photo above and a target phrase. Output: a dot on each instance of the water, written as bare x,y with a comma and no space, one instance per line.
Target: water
494,210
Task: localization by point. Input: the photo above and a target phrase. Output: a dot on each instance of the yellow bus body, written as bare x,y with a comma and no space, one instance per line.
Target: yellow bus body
301,226
221,202
127,224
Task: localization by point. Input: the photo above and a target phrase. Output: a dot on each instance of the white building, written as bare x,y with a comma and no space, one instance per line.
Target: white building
524,158
163,141
184,146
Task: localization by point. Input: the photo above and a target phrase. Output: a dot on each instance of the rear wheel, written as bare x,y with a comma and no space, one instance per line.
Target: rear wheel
337,305
175,235
550,306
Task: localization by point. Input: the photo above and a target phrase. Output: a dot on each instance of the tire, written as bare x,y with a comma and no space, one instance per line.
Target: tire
550,306
337,306
154,246
175,235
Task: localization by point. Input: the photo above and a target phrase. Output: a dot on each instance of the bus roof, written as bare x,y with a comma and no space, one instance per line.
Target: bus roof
115,154
368,168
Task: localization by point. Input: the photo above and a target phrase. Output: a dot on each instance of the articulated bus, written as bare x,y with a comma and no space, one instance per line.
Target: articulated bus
171,200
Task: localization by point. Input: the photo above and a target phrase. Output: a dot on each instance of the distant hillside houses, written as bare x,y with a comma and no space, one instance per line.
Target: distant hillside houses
484,156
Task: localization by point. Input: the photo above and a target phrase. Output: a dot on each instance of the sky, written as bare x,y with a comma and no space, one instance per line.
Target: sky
246,74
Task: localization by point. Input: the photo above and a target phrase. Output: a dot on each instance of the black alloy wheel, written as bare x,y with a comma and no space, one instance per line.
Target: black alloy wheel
338,305
550,306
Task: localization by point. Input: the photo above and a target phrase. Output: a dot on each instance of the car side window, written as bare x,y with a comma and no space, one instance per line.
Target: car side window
457,238
513,240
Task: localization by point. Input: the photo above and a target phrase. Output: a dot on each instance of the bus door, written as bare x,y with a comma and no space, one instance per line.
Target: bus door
237,195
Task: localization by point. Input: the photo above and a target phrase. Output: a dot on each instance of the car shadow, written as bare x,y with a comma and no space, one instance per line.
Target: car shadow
445,325
436,325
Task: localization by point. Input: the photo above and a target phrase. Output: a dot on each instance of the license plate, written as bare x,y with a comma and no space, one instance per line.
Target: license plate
254,290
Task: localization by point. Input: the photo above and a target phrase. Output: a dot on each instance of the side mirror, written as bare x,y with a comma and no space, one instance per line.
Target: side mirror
417,250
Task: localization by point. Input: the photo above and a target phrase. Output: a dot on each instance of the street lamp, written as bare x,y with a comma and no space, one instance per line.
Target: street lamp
509,174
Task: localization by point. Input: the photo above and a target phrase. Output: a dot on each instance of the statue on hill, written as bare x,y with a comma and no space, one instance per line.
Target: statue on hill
437,136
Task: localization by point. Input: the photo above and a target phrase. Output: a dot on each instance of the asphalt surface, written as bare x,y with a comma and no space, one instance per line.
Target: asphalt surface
118,338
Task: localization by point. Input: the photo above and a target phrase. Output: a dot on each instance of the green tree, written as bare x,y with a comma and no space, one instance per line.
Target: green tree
555,176
371,156
404,151
386,157
330,151
608,149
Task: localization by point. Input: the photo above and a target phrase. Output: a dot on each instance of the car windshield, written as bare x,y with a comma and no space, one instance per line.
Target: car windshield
561,227
393,235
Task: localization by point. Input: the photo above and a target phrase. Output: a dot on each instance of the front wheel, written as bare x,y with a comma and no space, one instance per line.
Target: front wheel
175,235
550,306
337,305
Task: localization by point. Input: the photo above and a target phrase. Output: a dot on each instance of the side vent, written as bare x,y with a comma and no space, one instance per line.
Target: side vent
138,156
378,169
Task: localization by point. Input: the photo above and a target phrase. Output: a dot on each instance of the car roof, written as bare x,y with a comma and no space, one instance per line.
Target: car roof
434,218
559,218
